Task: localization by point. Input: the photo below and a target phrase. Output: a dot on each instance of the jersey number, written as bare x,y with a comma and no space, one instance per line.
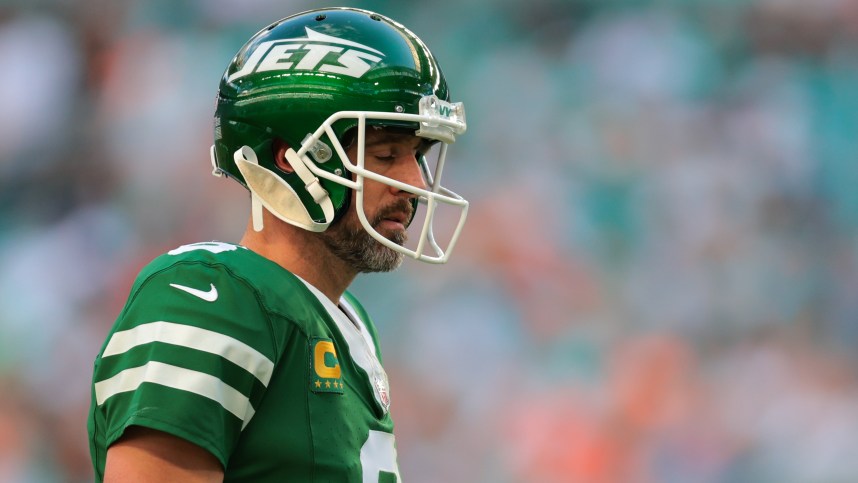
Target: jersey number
378,454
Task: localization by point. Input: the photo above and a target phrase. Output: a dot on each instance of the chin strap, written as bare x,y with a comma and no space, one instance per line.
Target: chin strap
277,196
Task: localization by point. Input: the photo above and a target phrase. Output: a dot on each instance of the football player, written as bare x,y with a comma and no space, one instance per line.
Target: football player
251,361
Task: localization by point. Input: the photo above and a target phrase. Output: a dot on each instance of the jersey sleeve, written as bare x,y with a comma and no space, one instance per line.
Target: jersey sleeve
191,355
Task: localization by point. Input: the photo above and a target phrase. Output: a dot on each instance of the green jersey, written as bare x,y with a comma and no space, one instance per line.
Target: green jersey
228,350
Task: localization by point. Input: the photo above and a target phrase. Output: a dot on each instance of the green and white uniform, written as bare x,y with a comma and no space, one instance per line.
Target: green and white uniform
228,350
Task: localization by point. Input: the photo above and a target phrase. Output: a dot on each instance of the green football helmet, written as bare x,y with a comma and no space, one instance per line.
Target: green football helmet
316,80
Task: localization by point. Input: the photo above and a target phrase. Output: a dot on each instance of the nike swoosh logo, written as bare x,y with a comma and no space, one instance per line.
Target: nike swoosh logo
209,296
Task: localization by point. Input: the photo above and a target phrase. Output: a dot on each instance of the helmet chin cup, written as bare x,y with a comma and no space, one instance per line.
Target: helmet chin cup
277,196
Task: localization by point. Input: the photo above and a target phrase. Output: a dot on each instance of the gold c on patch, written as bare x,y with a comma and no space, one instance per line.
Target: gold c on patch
325,373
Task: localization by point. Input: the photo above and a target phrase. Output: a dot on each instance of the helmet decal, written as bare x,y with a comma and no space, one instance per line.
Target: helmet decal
275,55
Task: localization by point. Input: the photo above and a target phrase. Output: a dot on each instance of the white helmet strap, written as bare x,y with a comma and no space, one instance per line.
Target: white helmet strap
277,196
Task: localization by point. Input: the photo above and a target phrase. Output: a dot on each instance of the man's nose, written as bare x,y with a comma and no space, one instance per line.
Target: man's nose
410,173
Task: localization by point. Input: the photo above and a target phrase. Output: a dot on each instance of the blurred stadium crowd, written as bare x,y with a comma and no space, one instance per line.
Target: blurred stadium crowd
658,281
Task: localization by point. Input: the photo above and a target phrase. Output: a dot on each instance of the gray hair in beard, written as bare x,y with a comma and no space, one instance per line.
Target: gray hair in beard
358,248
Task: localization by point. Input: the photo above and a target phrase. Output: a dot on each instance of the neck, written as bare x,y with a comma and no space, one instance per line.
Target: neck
302,253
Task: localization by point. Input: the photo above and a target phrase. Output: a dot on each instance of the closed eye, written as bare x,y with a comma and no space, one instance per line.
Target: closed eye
388,158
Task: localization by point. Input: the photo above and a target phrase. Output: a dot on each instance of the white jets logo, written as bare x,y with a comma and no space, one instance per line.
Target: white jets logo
318,50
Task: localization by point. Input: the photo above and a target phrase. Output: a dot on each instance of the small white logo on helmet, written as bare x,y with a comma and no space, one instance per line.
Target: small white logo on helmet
314,53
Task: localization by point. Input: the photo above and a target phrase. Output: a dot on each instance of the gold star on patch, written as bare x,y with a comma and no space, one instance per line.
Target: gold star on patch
318,384
328,384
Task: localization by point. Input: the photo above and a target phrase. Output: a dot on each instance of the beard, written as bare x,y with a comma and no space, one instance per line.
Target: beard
350,242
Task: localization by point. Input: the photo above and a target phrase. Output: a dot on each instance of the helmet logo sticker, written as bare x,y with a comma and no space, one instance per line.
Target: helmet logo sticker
314,53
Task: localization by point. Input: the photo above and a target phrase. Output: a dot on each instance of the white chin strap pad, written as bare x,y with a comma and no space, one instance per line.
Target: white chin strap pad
271,191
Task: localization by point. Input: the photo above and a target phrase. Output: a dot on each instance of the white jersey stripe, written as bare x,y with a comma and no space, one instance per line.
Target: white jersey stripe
179,378
205,340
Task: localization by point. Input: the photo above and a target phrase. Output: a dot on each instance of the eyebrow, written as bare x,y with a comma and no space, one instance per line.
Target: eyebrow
393,138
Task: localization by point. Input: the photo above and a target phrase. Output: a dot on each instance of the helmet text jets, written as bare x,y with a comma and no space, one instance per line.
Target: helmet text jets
274,54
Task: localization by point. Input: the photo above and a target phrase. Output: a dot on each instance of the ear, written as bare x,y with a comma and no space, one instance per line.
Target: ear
279,148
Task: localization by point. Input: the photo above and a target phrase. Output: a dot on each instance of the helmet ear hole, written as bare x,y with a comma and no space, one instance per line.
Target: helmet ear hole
278,149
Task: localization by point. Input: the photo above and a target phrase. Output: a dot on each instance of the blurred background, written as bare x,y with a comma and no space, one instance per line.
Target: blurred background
658,281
